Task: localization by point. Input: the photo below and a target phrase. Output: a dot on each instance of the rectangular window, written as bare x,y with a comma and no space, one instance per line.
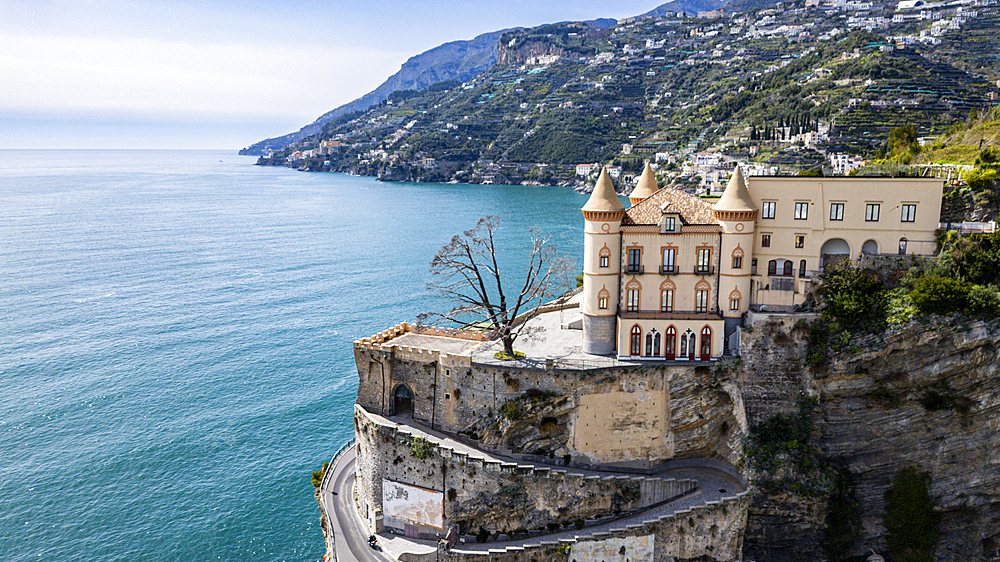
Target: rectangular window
800,241
768,211
668,260
753,266
801,210
909,213
670,222
632,304
871,212
701,301
604,261
734,304
737,262
836,211
667,300
704,261
602,303
765,240
634,260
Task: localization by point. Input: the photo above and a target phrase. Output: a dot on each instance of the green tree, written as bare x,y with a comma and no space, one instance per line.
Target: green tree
911,524
933,294
855,299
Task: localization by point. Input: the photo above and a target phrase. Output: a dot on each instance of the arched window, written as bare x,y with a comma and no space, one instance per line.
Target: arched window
667,296
902,246
734,300
602,299
605,256
772,267
738,258
706,343
632,293
787,272
635,343
687,345
802,268
653,343
670,343
701,290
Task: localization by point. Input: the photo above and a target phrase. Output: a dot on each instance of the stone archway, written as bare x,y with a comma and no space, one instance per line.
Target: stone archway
869,247
402,400
834,251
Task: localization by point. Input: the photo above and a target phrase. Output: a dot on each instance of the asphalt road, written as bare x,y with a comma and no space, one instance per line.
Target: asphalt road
349,534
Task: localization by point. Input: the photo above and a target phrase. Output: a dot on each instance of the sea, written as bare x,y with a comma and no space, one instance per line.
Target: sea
176,335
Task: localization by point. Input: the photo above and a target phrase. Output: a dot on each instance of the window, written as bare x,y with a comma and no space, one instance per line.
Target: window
604,261
787,270
902,246
753,266
653,343
836,211
802,268
632,300
737,262
669,223
635,260
734,304
768,211
602,302
670,343
667,300
635,340
772,267
909,213
701,301
800,241
801,210
704,261
668,260
765,240
871,212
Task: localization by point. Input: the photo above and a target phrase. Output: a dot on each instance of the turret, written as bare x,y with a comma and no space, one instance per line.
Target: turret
736,213
602,216
646,186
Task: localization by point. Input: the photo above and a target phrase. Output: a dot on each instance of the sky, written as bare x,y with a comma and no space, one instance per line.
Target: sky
212,74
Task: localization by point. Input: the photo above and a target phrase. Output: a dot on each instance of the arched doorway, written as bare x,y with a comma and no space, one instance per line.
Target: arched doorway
688,345
706,343
834,251
869,247
402,400
635,341
671,343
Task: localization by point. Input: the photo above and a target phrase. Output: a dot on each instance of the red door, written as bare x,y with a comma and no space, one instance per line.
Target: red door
671,343
706,343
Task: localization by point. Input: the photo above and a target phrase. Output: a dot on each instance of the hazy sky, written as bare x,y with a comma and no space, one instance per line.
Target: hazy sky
214,74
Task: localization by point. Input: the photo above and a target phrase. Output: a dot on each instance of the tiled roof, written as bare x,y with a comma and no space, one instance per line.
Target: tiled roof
648,211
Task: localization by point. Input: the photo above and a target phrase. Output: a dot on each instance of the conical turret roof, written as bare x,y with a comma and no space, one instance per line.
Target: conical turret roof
604,197
646,186
736,197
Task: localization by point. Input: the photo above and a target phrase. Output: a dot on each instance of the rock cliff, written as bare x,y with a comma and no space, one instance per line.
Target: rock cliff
925,395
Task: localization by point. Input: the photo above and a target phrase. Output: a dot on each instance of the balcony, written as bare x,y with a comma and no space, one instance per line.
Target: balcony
669,270
704,270
635,269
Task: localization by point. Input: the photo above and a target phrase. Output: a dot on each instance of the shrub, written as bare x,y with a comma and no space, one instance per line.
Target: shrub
933,294
421,448
512,410
910,522
854,298
317,475
984,300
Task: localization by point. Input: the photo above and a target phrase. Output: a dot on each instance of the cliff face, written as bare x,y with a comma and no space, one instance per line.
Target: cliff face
926,395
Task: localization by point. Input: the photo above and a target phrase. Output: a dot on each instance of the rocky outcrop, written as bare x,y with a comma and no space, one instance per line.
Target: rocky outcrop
925,395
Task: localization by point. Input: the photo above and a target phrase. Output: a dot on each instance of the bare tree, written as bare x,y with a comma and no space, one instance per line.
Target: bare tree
467,276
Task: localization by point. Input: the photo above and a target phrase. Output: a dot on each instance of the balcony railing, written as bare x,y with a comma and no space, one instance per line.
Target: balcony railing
634,268
704,269
668,270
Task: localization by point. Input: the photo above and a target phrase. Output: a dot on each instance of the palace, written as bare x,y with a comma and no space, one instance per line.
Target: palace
672,276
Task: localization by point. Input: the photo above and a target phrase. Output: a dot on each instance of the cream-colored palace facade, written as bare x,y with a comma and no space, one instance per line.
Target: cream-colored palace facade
672,276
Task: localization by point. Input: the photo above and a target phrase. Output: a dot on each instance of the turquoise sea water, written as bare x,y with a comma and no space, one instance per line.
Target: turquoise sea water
175,340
